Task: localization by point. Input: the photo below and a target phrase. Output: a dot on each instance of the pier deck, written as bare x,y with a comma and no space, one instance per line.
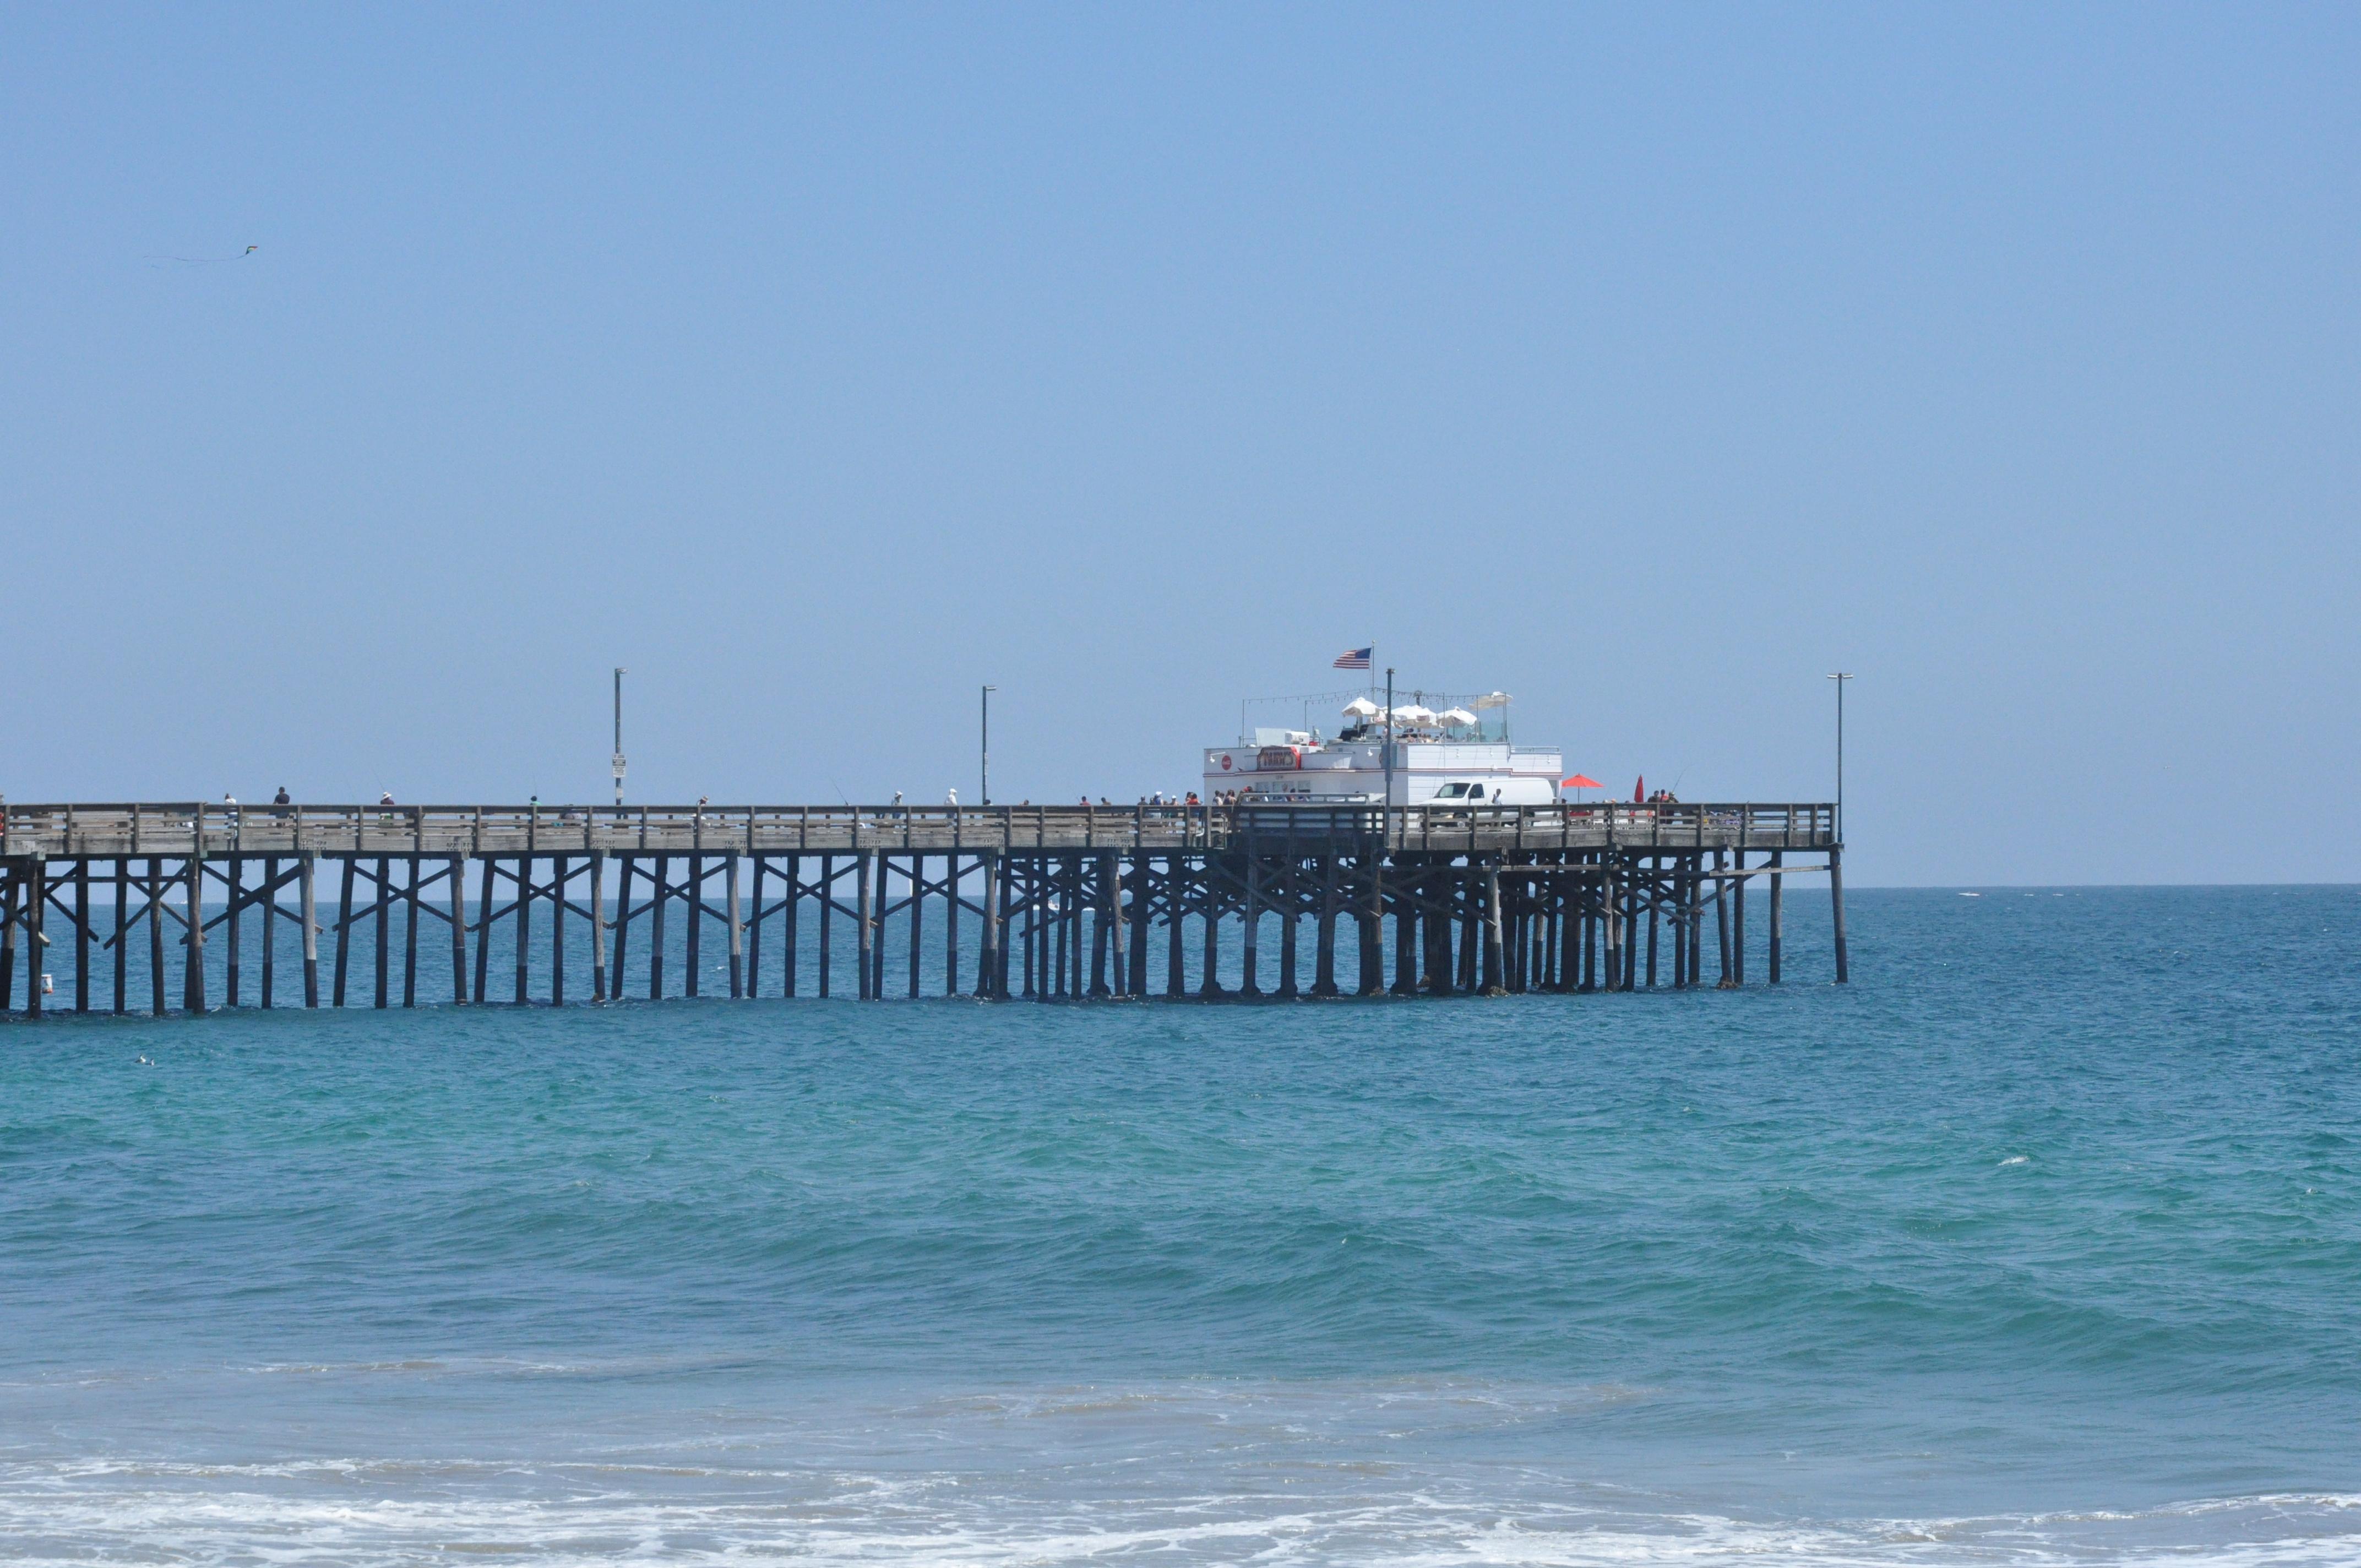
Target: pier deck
1067,899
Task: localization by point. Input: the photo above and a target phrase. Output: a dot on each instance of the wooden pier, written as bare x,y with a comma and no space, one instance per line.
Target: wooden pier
1064,901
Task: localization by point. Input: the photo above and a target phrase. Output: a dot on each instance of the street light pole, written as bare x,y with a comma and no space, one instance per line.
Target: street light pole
1389,744
1840,678
984,746
619,735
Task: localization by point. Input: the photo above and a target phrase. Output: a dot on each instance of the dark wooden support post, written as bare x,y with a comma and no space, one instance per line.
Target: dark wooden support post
755,924
457,875
1655,902
918,925
598,991
344,932
1406,946
483,928
987,962
952,879
1210,982
1778,917
737,929
11,900
1140,911
269,923
523,907
695,915
624,865
1289,911
308,911
194,976
1836,908
827,920
1324,939
1106,942
790,954
1004,904
379,905
559,869
409,937
1369,921
34,884
1175,960
1680,894
1738,921
1631,894
122,943
156,934
661,896
1251,944
231,989
1493,977
1722,922
861,917
877,923
1697,885
1118,927
81,935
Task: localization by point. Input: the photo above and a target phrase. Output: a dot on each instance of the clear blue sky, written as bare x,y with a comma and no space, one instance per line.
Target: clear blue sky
821,364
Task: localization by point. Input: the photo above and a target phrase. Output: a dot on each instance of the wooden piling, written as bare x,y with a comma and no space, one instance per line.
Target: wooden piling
344,932
269,923
1248,980
193,975
558,868
307,900
1778,925
1493,980
656,901
120,945
694,959
156,933
737,930
1721,922
1738,919
29,912
598,991
383,935
81,935
456,875
409,937
917,924
1835,910
987,962
862,918
231,921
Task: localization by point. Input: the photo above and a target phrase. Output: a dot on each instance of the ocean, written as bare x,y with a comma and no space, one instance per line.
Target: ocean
2039,1243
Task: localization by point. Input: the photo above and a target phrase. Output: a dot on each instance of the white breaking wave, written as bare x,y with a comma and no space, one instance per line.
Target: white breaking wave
396,1512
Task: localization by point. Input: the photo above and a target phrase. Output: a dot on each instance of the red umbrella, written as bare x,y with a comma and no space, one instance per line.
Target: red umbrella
1637,785
1580,781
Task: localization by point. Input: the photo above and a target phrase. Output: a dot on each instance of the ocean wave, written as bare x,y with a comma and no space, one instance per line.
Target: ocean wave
394,1512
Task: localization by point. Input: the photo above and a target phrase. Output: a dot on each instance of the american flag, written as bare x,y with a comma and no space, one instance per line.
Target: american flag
1354,658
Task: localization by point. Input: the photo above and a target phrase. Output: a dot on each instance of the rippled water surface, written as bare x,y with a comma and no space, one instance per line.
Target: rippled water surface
2039,1243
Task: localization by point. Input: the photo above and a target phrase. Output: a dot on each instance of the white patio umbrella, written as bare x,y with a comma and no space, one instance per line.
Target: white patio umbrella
1361,707
1457,717
1413,713
1491,699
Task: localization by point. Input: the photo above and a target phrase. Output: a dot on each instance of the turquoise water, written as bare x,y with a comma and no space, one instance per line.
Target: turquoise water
2040,1243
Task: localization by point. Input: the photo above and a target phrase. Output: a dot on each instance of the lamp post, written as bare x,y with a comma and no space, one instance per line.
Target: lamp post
619,735
1840,678
1389,745
984,752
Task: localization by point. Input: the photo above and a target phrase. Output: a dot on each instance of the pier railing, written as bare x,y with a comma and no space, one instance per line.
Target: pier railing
209,828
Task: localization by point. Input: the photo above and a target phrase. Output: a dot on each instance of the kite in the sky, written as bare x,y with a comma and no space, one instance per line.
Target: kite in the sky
202,260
